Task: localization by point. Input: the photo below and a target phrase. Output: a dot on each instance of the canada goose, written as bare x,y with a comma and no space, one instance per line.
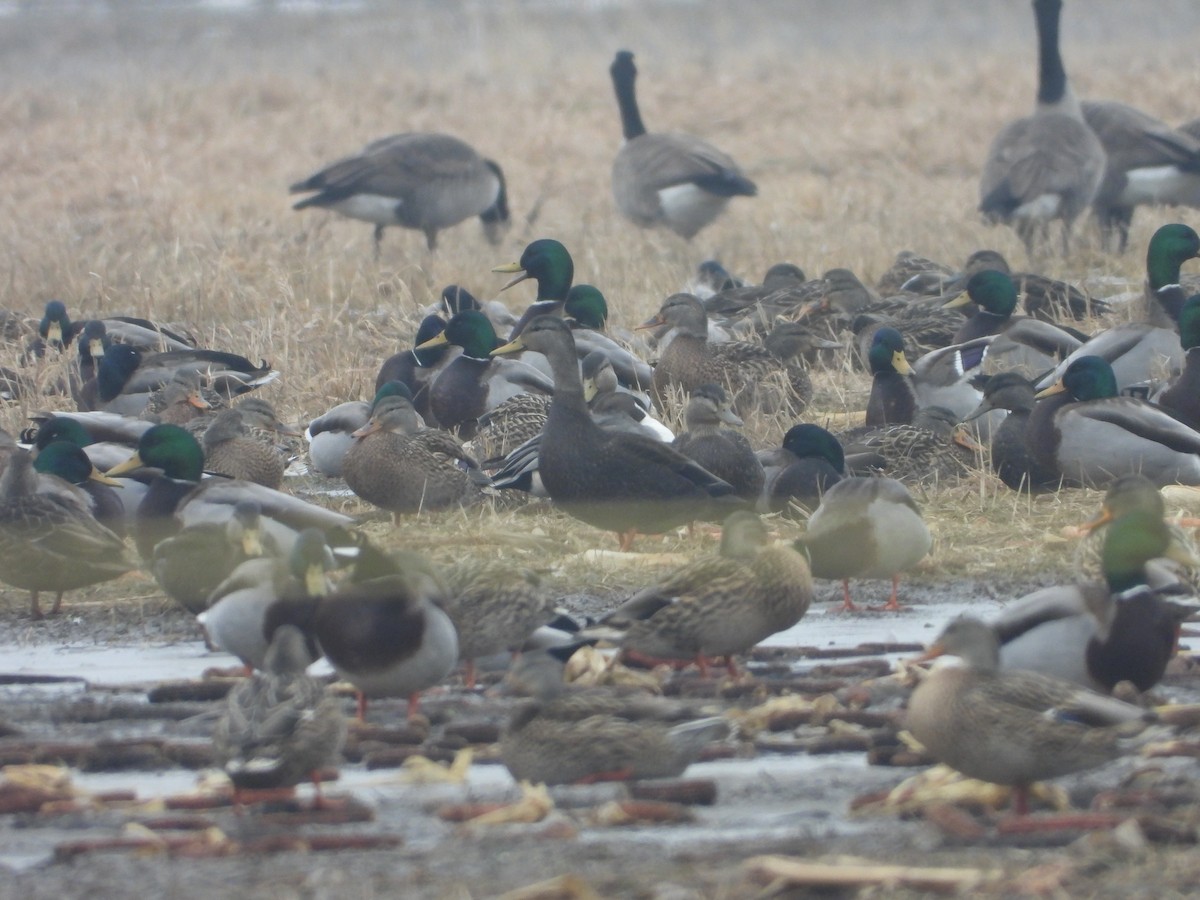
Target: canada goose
1047,165
416,180
668,178
1148,162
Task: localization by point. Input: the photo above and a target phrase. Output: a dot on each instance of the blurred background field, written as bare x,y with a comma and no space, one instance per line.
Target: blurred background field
147,148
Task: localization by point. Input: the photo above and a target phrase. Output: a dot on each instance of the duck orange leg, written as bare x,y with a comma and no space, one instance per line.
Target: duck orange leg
414,704
626,539
362,707
57,607
469,675
893,604
35,608
847,603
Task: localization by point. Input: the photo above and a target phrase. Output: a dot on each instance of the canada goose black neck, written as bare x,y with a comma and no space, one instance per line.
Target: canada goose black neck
1052,77
624,73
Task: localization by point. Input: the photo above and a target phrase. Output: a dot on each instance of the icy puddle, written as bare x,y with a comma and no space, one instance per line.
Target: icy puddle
822,627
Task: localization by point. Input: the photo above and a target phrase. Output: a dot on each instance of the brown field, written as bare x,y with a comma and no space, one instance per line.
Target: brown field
146,154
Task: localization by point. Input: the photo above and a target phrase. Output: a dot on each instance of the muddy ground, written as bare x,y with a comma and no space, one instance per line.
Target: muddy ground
117,694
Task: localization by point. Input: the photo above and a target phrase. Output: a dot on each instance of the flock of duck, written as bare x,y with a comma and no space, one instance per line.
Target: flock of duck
171,447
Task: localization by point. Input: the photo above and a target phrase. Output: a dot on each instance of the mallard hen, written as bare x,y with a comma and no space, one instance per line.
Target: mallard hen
49,542
719,606
397,467
280,726
1011,728
568,735
722,451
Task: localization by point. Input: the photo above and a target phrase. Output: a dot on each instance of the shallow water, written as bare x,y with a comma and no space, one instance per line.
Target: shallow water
124,664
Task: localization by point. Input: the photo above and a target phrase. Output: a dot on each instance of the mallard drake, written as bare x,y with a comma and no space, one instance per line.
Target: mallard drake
549,264
125,378
725,453
177,498
1097,634
190,565
104,454
568,735
719,606
1147,162
474,383
808,463
668,179
494,607
613,480
417,369
586,311
420,180
924,329
329,435
236,617
946,377
1089,435
893,400
1011,728
105,435
280,726
1045,298
56,330
865,527
939,378
397,467
96,334
1048,165
384,630
745,370
68,461
931,448
1024,344
50,543
1181,398
1011,456
1144,351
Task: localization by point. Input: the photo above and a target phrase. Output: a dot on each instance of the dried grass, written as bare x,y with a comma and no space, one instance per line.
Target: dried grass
146,156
